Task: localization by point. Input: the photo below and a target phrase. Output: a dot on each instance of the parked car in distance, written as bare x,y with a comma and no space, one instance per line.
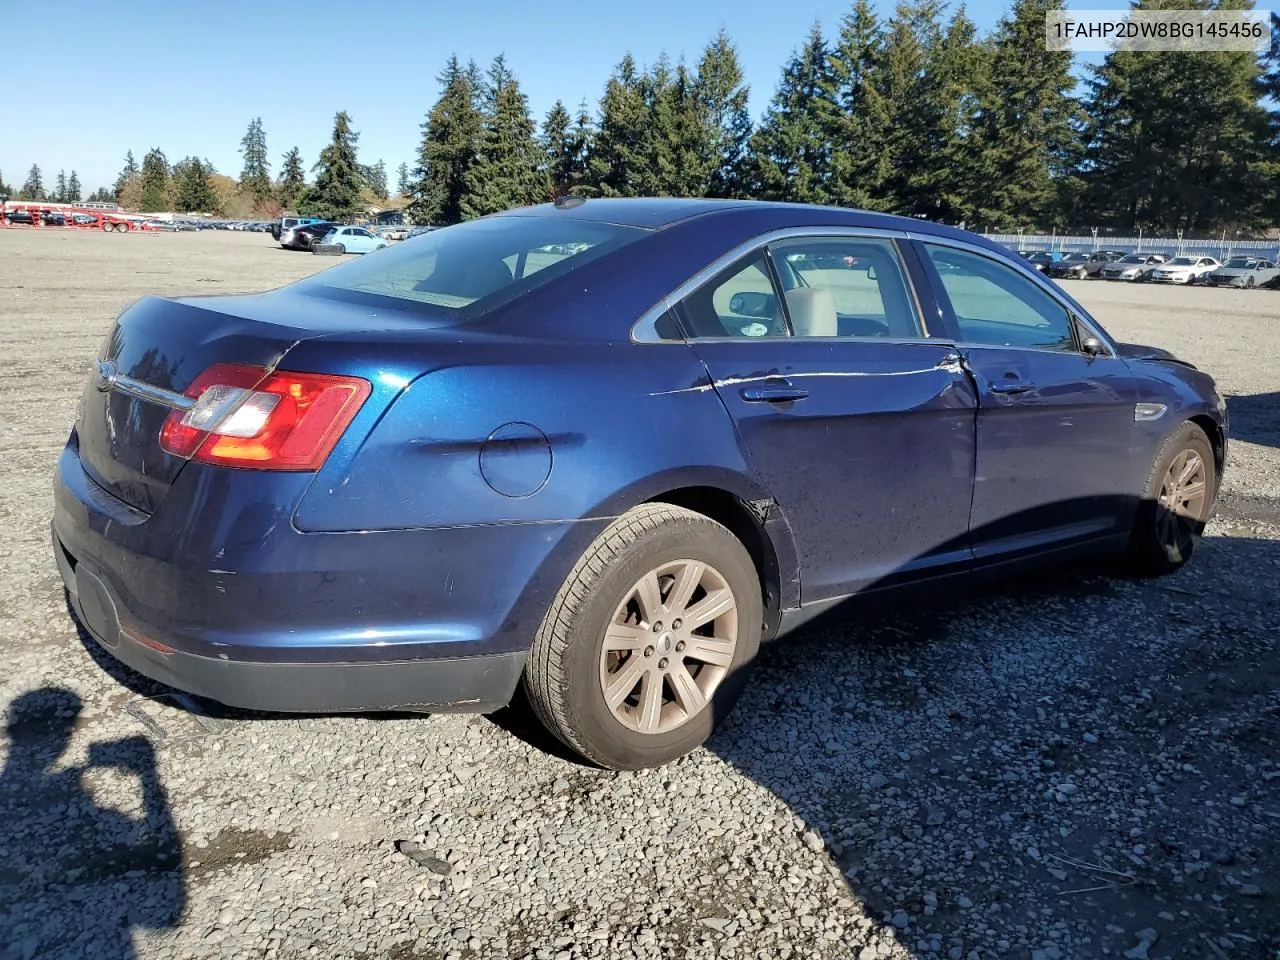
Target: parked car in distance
53,218
1078,266
348,240
19,215
1247,272
705,377
1186,270
161,226
1135,266
301,237
84,219
286,223
1041,259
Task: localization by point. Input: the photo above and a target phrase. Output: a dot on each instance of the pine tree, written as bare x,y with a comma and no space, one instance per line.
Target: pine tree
375,177
1026,133
450,135
402,179
128,173
154,182
618,162
33,189
293,179
508,163
561,158
336,194
59,194
790,151
73,187
675,136
1178,141
6,191
855,113
255,177
193,193
722,97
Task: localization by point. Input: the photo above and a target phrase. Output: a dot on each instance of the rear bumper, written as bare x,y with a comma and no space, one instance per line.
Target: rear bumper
219,596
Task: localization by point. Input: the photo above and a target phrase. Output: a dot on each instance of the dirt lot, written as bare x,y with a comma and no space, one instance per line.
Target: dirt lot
1072,768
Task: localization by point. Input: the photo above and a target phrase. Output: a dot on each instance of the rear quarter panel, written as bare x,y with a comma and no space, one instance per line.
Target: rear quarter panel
517,431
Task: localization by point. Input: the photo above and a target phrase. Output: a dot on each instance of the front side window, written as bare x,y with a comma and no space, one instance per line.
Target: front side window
995,305
845,287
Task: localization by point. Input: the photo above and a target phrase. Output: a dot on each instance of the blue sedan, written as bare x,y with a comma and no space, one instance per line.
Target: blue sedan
603,450
349,240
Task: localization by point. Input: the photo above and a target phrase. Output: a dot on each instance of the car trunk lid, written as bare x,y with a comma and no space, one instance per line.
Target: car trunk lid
152,354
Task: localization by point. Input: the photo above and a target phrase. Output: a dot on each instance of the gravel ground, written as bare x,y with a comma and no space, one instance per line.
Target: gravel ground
1076,767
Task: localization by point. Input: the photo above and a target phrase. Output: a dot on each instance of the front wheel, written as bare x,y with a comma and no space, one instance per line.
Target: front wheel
1176,503
1248,283
646,647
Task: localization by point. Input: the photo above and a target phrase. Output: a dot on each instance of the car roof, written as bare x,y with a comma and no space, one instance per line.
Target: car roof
657,213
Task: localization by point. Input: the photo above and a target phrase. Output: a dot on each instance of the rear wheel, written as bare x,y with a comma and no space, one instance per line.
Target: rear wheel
122,228
1176,504
108,227
646,647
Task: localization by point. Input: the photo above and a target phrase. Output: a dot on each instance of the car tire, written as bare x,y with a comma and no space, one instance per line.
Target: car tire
122,228
108,227
652,556
342,249
1248,283
1167,528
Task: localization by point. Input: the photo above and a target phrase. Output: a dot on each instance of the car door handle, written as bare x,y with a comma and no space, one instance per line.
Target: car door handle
777,393
1008,387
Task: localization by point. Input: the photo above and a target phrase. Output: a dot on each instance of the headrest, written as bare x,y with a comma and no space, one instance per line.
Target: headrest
813,312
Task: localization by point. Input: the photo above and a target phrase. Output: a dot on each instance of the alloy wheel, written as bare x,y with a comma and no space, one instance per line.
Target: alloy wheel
1184,492
669,645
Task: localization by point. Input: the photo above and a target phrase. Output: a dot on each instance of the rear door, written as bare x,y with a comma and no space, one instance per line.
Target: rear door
1055,425
860,425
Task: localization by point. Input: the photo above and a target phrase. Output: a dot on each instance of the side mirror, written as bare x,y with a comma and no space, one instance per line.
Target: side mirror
1093,347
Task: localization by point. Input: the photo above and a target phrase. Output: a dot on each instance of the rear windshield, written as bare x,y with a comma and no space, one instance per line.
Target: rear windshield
465,270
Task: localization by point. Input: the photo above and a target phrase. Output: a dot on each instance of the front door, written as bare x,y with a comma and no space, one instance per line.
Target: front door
1055,422
860,426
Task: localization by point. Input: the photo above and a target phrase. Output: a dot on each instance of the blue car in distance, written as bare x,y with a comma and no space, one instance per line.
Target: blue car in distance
349,240
603,450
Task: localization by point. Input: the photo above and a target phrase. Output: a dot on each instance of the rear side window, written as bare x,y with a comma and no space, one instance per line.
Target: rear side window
739,302
845,287
464,270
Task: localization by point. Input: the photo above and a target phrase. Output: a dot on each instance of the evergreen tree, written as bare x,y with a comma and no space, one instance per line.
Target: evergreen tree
855,113
1026,132
375,177
561,158
293,179
193,192
618,162
402,179
1178,141
128,173
255,177
675,136
33,189
154,182
336,194
6,191
790,151
507,171
73,187
102,195
450,135
60,188
722,96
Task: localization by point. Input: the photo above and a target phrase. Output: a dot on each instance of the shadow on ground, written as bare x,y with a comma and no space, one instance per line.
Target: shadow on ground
1255,418
101,871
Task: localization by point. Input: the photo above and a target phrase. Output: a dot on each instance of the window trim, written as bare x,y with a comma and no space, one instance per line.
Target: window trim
644,331
1078,316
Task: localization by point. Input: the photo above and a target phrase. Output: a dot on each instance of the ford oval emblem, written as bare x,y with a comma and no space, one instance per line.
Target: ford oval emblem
107,374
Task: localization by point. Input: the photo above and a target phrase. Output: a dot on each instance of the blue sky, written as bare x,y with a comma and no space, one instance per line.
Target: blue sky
91,80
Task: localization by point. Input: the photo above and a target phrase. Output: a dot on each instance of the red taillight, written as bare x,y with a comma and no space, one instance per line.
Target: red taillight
246,417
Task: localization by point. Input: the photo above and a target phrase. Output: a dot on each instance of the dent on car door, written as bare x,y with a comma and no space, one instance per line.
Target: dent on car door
1055,426
859,425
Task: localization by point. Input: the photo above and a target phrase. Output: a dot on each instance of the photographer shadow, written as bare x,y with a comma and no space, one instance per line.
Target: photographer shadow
79,876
